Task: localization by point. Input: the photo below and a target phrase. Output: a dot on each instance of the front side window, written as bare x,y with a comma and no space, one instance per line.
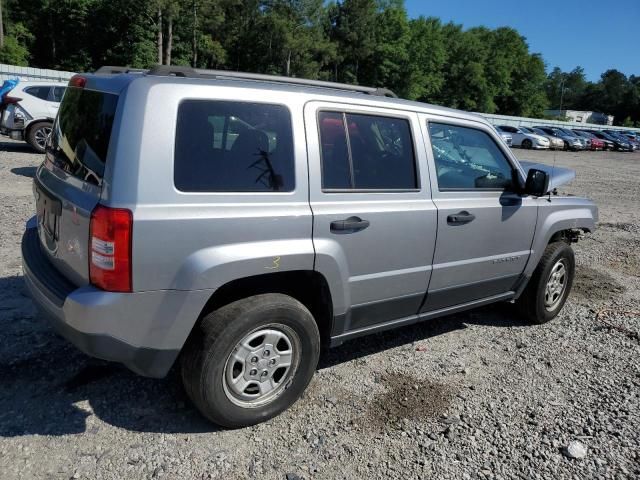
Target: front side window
233,147
366,152
468,158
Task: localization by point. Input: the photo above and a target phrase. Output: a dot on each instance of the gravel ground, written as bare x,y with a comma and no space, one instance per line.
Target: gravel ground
477,395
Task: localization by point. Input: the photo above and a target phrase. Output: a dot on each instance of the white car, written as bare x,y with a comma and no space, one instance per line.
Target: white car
524,139
28,110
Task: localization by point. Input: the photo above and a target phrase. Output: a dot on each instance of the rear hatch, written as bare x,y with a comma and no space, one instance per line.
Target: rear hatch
68,185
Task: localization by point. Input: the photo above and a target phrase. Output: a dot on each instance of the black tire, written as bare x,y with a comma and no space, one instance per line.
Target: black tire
566,146
37,135
526,143
209,348
532,301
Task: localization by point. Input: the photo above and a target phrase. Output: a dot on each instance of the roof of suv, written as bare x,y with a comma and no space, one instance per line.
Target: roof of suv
322,90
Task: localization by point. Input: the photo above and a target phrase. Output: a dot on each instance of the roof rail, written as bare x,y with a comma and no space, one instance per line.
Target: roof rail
109,70
189,72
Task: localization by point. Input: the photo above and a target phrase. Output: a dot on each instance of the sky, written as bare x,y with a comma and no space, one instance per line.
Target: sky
595,34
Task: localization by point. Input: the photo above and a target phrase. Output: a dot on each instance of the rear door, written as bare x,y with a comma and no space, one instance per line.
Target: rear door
67,186
372,211
485,229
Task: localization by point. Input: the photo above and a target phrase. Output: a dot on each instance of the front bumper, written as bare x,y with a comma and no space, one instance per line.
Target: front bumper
104,325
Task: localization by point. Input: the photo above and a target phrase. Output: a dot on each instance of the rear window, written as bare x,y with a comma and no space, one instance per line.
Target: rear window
80,137
233,147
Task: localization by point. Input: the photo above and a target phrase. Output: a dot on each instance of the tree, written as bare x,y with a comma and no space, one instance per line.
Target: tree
354,34
426,53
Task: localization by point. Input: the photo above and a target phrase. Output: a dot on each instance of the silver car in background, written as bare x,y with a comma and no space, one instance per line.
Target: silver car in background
524,139
554,142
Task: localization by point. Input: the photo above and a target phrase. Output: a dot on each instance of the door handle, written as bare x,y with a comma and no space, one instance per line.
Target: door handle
350,225
460,218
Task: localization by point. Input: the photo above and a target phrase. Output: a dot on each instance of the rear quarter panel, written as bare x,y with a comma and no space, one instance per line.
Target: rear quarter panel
200,241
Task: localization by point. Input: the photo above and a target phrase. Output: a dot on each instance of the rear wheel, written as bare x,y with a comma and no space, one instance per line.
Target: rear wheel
250,360
38,135
549,287
526,143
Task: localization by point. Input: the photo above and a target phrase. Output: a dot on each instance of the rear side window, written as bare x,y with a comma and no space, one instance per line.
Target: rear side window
366,152
233,147
81,135
39,92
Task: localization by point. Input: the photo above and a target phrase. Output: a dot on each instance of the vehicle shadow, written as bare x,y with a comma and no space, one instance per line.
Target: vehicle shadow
497,315
17,147
29,172
48,387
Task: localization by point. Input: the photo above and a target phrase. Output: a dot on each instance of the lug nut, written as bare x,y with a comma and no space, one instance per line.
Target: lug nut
254,359
253,372
264,374
272,361
266,353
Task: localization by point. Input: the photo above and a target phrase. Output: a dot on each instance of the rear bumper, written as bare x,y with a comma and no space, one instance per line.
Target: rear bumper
124,328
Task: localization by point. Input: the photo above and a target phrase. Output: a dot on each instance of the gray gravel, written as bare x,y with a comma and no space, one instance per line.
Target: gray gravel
479,395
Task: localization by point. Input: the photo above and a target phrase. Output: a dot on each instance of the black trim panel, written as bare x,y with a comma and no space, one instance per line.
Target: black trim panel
448,297
337,340
385,310
49,281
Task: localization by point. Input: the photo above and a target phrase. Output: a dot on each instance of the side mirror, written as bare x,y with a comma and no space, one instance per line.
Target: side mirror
537,183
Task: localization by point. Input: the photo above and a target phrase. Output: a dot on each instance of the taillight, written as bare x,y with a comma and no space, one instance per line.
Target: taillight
110,245
7,100
77,81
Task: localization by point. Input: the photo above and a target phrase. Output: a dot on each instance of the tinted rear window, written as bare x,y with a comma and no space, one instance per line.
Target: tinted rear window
233,147
80,137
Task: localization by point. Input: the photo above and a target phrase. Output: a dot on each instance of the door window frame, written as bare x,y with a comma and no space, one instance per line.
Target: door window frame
348,109
426,119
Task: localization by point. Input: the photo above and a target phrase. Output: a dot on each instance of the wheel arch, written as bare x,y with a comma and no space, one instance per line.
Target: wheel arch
309,287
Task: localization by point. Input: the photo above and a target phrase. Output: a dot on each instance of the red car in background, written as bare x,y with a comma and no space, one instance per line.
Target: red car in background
596,143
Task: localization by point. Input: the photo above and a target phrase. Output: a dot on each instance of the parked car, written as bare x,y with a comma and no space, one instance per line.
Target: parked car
508,139
244,246
571,142
554,142
525,139
28,111
594,142
618,143
607,144
623,138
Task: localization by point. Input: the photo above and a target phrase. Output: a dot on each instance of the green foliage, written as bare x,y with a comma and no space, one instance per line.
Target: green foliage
15,50
371,42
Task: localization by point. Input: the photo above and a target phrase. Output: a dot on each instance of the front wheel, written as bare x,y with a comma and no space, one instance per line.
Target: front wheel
527,144
549,287
250,360
38,136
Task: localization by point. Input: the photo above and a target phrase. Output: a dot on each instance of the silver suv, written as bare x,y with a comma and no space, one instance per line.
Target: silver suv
240,222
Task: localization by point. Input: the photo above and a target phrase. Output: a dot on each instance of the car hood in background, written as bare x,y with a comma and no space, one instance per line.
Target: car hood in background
557,175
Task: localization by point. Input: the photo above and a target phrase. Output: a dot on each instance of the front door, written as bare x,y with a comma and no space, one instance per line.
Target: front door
373,218
485,229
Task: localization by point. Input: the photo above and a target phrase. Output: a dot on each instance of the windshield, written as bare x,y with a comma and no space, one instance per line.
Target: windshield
81,133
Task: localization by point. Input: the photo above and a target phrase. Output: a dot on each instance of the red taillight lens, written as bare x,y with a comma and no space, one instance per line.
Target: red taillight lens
110,245
7,100
77,81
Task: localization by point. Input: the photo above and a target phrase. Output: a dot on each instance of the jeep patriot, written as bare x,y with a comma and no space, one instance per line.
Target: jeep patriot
235,223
